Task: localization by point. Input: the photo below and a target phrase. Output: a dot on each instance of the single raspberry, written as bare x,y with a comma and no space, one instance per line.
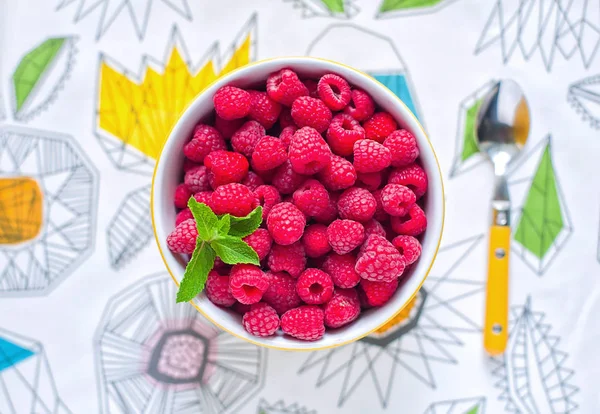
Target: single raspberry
285,118
334,91
315,240
409,247
267,196
338,174
412,224
240,308
285,86
286,135
235,199
308,151
260,241
226,167
248,283
217,289
220,266
378,293
331,212
370,156
361,107
281,294
379,126
345,235
205,140
311,112
182,195
286,223
286,180
227,128
411,176
269,153
341,270
379,260
342,133
183,215
244,139
370,181
189,164
183,238
204,197
380,214
232,103
253,180
403,147
343,308
311,85
396,199
197,179
304,322
314,287
290,259
374,227
261,320
357,204
311,198
264,109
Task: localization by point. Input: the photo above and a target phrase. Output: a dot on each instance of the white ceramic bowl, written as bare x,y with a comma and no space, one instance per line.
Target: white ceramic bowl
168,172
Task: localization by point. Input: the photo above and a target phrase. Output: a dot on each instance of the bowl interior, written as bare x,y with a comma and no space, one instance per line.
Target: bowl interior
168,175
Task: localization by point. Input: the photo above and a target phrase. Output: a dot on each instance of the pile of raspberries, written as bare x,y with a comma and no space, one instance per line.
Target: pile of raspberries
340,188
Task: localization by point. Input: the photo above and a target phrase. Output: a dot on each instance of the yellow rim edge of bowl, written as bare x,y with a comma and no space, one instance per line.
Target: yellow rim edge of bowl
432,260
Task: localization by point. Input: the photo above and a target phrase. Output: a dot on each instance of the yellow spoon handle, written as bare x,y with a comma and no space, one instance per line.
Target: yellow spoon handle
495,333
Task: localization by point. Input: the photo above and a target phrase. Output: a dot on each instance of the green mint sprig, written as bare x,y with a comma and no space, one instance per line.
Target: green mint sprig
217,237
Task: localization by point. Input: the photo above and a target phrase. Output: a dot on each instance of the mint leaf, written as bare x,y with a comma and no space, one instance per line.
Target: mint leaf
206,220
243,226
224,224
196,272
233,250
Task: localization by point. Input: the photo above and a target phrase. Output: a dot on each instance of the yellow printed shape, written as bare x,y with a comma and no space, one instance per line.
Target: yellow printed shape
400,317
21,210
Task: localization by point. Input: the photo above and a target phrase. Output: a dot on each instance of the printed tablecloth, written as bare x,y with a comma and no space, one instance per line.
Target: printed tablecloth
88,322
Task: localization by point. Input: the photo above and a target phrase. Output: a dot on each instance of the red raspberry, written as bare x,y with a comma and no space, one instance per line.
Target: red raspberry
197,179
374,227
281,294
403,147
244,139
232,103
220,266
269,153
183,215
286,223
182,195
396,199
409,247
341,270
314,287
378,293
227,128
261,320
342,133
240,308
345,235
290,259
379,260
338,174
370,156
183,238
343,308
226,167
253,181
248,283
304,322
308,152
285,119
311,112
334,91
411,176
357,204
380,214
205,140
312,86
315,240
361,106
260,241
189,164
370,181
331,212
285,86
217,289
311,198
264,109
379,126
267,196
235,199
286,180
204,197
412,224
286,135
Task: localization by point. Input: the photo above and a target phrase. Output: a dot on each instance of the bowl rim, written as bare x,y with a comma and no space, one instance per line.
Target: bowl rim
405,110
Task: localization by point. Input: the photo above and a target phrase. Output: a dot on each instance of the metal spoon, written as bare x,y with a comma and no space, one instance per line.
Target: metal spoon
502,128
